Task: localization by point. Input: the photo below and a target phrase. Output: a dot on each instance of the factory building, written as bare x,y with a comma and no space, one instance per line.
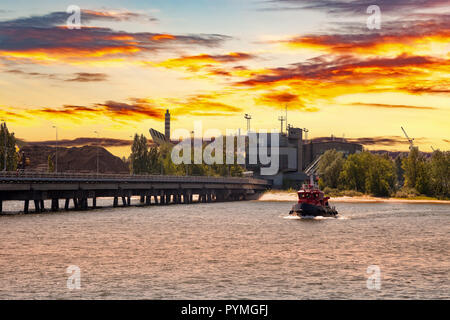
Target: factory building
296,155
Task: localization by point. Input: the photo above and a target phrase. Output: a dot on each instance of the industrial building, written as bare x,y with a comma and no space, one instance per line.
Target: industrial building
296,155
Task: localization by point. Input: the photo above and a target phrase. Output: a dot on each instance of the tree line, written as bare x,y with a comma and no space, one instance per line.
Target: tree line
157,160
379,175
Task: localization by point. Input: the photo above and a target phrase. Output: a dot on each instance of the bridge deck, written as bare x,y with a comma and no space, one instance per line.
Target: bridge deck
81,187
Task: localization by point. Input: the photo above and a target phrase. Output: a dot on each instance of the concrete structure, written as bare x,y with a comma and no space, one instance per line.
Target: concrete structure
78,188
296,155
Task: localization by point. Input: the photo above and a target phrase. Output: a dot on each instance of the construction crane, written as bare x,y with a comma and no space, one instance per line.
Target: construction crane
411,141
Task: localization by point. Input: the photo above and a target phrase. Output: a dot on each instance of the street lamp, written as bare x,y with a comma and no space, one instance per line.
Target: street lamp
6,138
56,149
97,148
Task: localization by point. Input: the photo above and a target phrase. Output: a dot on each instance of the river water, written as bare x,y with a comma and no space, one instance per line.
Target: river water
233,250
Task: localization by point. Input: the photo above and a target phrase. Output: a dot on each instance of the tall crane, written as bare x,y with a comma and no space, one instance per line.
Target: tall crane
411,141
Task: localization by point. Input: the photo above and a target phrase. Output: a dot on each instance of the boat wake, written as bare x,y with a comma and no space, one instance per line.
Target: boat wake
295,217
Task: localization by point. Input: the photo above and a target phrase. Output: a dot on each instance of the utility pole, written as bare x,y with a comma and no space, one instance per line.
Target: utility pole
248,118
97,148
6,136
56,150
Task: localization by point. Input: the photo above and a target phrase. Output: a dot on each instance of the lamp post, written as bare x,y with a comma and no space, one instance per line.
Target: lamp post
97,148
56,149
6,138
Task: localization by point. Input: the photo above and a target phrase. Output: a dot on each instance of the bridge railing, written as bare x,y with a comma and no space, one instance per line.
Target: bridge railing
18,176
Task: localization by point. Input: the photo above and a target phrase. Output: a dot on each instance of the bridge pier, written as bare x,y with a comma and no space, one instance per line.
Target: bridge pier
37,208
66,204
148,200
75,203
1,206
116,202
55,204
94,202
25,206
124,201
128,201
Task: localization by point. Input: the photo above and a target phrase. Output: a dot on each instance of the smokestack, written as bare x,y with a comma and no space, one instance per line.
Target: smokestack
167,125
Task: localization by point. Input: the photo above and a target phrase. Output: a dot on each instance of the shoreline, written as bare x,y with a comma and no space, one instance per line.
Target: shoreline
292,197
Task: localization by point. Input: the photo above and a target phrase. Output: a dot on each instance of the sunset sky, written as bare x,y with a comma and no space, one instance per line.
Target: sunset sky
215,60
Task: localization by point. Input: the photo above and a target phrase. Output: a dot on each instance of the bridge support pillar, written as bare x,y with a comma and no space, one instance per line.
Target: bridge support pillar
128,201
37,208
142,199
155,197
1,206
94,202
55,204
124,201
148,200
208,197
116,202
25,206
66,204
42,205
75,203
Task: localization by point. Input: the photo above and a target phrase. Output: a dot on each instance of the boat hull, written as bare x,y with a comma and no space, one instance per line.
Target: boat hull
310,210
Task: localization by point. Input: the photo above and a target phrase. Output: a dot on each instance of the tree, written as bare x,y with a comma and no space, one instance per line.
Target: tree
381,176
11,153
330,167
399,171
440,173
139,159
355,170
417,172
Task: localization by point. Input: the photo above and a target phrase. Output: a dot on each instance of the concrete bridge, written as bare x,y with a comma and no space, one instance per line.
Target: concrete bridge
152,189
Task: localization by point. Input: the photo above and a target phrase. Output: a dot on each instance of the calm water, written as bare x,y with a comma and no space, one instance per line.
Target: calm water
227,251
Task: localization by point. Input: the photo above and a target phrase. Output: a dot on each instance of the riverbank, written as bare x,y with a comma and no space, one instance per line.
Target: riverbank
292,196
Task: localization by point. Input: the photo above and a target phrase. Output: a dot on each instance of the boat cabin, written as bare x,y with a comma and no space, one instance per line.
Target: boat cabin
312,195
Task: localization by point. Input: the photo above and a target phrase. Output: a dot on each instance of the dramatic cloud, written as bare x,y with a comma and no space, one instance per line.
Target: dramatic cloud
353,6
346,70
396,37
45,39
87,16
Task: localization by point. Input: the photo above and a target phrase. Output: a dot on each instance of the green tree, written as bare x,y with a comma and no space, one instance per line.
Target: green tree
11,153
330,167
440,173
355,170
417,174
381,176
139,159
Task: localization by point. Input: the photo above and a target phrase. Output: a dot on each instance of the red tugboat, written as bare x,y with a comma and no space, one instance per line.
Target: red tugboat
312,203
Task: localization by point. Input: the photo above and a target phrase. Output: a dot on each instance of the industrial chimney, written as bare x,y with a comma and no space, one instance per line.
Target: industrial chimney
167,125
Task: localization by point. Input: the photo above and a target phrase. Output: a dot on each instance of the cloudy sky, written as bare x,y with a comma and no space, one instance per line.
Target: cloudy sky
214,60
